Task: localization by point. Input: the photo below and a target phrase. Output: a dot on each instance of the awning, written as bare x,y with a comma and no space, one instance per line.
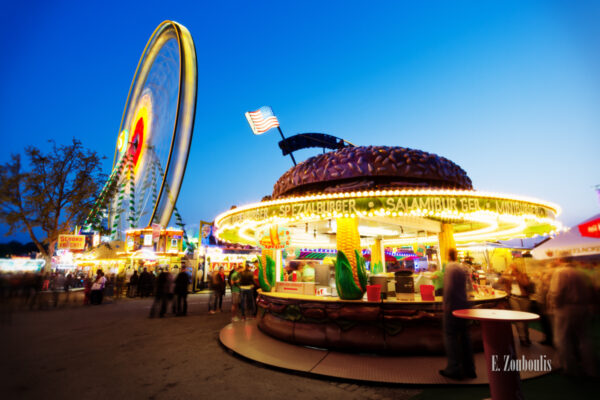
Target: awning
569,244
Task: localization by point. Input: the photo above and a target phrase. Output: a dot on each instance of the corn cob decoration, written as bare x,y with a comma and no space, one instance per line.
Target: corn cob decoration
376,260
350,273
266,272
446,239
264,254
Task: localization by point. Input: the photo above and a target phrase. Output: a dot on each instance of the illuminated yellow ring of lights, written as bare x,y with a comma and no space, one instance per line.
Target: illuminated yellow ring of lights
181,138
494,216
143,112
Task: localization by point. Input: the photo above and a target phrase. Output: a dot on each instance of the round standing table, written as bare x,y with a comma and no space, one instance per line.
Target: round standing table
499,346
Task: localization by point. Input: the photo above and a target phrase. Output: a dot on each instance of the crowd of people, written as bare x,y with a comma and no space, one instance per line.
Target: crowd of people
41,290
170,288
566,295
38,290
243,282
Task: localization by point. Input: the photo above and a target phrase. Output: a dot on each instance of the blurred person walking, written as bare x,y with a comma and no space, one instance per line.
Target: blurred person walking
87,290
119,284
519,289
171,289
457,339
181,290
67,287
541,285
234,282
46,282
160,294
218,286
58,282
570,299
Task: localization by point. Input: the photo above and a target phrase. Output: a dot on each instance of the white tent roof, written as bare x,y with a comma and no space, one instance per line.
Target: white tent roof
568,244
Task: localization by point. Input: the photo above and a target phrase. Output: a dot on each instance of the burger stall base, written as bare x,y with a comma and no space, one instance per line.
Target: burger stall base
246,340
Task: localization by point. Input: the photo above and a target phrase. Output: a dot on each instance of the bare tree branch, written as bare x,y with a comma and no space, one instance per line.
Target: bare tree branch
56,192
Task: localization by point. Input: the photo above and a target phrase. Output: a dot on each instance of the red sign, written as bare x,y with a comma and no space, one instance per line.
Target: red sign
590,229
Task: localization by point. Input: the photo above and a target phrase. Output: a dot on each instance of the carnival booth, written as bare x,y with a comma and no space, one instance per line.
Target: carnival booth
221,254
107,256
154,248
143,248
372,198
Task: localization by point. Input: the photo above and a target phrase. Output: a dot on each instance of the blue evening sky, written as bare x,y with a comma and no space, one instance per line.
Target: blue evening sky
507,90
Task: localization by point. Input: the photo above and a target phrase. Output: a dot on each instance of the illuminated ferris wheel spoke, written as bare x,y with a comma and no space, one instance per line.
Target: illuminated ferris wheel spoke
118,211
178,219
94,219
131,217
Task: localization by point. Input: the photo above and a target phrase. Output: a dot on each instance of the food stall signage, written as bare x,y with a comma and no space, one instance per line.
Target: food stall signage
71,242
273,238
398,204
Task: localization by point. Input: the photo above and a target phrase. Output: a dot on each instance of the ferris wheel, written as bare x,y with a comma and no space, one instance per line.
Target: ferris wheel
154,137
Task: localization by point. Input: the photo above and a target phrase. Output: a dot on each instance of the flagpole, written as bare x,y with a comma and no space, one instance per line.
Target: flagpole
283,137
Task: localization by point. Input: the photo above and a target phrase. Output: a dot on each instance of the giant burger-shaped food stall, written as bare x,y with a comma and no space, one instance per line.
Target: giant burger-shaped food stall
371,197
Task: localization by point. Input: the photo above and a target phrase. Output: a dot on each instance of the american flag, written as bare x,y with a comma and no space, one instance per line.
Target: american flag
262,120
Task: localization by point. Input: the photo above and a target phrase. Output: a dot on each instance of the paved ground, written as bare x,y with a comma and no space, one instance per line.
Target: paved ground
116,351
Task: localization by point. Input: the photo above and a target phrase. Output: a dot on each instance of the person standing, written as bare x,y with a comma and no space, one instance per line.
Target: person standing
247,297
222,286
234,282
457,340
160,294
144,283
132,288
233,271
218,286
181,290
67,286
255,272
109,286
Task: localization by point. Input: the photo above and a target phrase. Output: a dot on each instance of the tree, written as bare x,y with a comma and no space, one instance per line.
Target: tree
53,195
